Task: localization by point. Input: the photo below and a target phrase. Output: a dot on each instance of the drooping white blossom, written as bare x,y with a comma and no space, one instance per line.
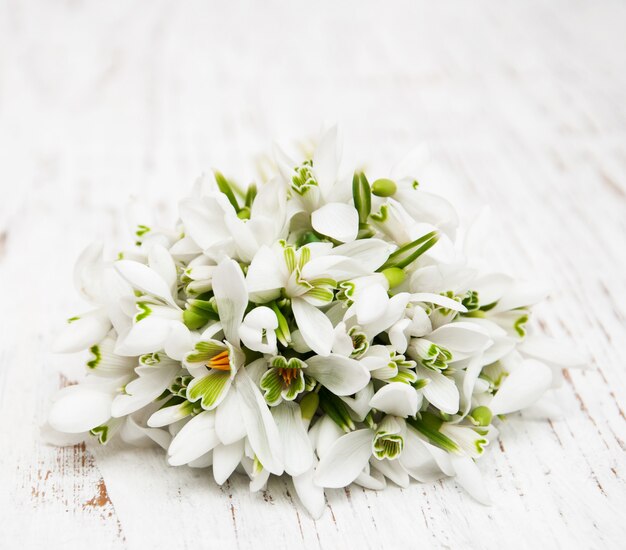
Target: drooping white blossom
331,330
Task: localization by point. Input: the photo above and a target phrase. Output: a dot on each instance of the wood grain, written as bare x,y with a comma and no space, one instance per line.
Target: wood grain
522,104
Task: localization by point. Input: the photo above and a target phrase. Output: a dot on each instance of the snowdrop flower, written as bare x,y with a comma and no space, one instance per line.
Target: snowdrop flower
258,330
331,331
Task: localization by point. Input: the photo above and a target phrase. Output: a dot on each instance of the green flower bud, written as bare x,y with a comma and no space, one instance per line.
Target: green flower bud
309,405
482,416
244,213
394,275
384,187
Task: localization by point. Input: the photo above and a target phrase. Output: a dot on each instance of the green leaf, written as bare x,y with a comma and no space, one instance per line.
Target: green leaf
362,196
225,188
433,434
250,195
408,253
336,409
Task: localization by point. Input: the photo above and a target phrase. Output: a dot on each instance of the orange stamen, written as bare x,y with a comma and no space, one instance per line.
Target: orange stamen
288,375
220,362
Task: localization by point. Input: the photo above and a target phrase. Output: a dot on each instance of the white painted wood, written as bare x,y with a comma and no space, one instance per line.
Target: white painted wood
523,106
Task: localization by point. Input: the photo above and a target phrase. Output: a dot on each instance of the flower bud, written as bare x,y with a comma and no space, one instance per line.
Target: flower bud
384,187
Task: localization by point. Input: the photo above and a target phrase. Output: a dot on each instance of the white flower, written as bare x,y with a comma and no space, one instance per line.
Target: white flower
337,332
258,330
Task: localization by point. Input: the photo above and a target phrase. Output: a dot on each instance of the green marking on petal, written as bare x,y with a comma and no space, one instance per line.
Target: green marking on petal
321,294
150,359
142,230
387,445
144,311
205,351
290,258
382,214
72,319
97,357
272,384
471,300
295,387
519,325
360,343
209,389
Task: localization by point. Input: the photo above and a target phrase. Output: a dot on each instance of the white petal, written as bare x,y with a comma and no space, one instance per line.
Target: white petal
167,416
392,470
462,336
225,459
370,303
178,342
441,391
146,279
396,398
89,329
469,381
374,480
231,296
336,220
552,351
297,450
160,260
520,295
196,438
397,337
370,253
151,383
315,327
185,247
87,272
345,459
140,436
260,426
311,495
522,387
360,402
444,301
395,310
491,287
327,433
417,460
146,336
204,221
341,375
468,476
228,420
265,278
79,409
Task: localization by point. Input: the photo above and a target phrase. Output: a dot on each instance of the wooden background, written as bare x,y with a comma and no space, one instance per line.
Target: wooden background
524,107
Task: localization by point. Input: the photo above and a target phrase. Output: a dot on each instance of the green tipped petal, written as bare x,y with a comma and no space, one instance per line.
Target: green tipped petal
204,351
211,389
